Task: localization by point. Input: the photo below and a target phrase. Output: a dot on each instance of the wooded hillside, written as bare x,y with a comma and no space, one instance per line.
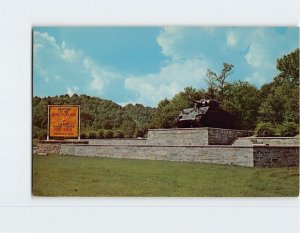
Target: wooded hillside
99,118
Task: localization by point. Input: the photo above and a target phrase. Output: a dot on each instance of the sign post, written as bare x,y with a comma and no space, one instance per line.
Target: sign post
63,121
79,122
48,125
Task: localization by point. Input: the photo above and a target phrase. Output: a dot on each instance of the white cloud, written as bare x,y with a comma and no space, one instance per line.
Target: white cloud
101,76
69,54
170,80
123,104
231,39
167,39
63,45
45,36
257,55
70,92
258,78
78,69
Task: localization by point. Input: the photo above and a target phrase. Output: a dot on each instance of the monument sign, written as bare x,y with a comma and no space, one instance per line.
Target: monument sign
63,121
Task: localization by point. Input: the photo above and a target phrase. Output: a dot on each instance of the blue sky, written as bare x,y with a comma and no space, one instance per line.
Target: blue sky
146,64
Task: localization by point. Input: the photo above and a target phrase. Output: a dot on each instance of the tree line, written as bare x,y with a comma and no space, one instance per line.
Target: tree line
99,118
271,110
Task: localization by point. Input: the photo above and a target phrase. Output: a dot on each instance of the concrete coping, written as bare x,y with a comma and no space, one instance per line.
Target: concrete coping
201,128
273,137
276,146
207,146
118,139
63,142
156,145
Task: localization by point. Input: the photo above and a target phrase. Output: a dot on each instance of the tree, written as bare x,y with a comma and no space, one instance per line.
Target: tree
288,66
281,104
242,100
216,84
128,127
281,97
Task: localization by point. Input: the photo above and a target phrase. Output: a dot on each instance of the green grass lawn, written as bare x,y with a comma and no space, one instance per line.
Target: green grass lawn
57,175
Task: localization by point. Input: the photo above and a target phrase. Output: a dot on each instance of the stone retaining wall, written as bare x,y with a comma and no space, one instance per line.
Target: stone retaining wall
189,145
120,141
54,146
242,156
276,156
48,148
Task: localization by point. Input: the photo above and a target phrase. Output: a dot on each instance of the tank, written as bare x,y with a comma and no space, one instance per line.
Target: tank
205,113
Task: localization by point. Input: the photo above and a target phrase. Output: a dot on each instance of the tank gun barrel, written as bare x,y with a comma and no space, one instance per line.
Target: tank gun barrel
194,101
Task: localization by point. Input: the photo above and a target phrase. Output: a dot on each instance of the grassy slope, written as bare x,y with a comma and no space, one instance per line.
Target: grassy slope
82,176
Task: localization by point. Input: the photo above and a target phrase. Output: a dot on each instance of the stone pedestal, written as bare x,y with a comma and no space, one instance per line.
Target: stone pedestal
195,136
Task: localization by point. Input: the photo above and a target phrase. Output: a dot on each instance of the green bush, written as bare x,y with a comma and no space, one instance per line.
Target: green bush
109,134
82,136
288,129
100,134
264,129
91,134
119,134
141,133
35,132
39,133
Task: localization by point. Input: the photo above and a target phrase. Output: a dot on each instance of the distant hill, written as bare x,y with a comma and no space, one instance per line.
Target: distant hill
100,118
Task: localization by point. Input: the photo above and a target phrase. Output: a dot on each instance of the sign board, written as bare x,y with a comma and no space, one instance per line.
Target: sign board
63,121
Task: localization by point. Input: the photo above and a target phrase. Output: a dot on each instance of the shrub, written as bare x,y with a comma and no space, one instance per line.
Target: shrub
265,129
39,133
119,134
82,136
129,134
91,134
100,134
288,129
109,134
141,133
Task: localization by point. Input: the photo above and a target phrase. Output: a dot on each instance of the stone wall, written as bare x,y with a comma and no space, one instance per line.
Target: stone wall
195,136
249,156
218,136
242,156
121,141
48,148
54,146
276,156
188,145
184,136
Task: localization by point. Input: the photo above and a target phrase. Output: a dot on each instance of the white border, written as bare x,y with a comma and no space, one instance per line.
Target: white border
20,212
